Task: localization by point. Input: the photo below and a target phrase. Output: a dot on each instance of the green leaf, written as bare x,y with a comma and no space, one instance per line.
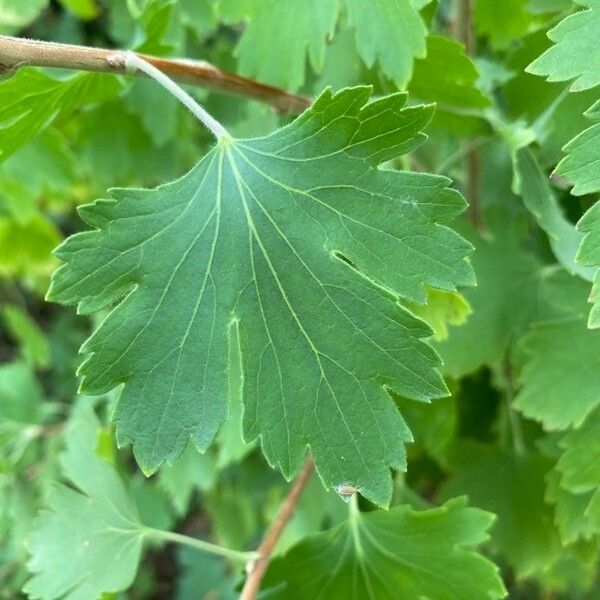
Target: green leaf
21,410
502,22
579,466
580,166
31,100
589,256
193,471
576,515
512,487
562,357
503,303
31,339
15,14
25,248
282,33
84,9
390,32
90,541
447,75
203,576
539,198
389,555
575,52
273,234
442,309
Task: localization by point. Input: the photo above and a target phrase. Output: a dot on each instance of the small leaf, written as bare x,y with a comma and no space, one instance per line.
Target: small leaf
562,357
31,339
280,36
575,52
90,541
539,198
389,555
31,100
447,75
391,33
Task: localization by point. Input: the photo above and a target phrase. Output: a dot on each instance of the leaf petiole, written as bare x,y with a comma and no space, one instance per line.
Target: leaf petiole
133,63
185,540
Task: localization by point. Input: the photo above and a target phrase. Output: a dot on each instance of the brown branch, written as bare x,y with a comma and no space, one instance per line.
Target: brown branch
257,569
20,52
464,31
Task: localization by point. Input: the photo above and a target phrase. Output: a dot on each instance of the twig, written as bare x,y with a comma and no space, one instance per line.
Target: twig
464,31
257,569
19,52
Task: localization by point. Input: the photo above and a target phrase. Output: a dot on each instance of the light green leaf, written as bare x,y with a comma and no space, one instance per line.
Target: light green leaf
31,339
447,76
562,357
389,555
575,52
512,487
442,309
90,541
539,198
589,256
25,248
84,9
30,101
21,410
572,513
579,465
580,166
280,36
390,32
15,14
272,234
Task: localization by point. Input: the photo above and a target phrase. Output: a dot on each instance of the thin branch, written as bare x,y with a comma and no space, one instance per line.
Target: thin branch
464,31
256,569
19,52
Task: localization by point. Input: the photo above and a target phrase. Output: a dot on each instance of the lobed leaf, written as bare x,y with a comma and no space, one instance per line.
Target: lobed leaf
298,244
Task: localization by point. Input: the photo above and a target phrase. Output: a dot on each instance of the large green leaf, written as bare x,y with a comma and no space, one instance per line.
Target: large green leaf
390,555
90,541
300,240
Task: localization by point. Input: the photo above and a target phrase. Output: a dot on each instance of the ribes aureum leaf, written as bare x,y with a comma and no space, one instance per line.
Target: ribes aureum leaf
297,247
389,555
390,32
574,54
280,36
89,541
